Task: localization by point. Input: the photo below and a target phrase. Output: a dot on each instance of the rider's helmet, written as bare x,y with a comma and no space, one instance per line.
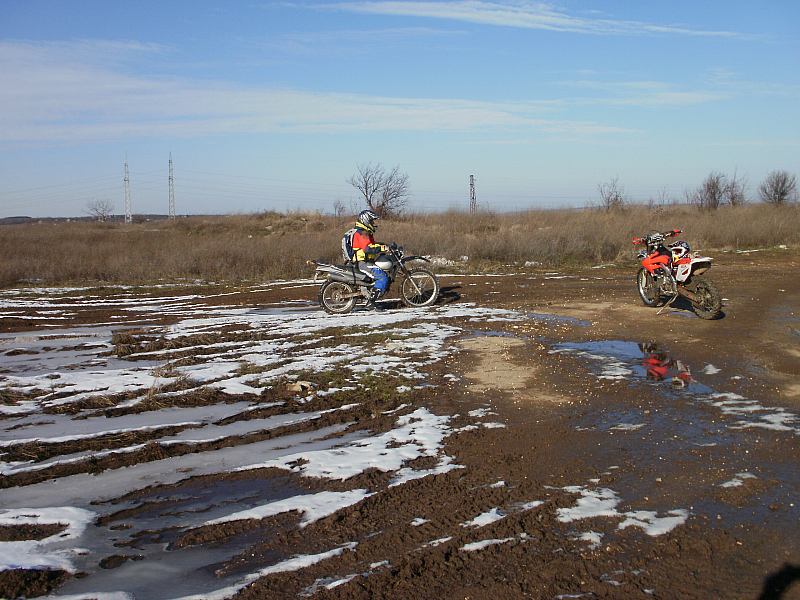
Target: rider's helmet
679,250
368,218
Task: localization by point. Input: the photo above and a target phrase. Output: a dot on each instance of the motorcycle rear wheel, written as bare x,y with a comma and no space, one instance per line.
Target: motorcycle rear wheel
336,297
648,288
428,286
709,300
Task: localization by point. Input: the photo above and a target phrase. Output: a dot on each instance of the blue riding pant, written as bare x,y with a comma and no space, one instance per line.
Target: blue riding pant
381,279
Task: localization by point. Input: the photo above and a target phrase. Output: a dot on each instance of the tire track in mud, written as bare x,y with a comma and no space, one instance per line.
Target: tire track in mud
371,404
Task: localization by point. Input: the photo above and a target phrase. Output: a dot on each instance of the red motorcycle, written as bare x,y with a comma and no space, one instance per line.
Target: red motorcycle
673,270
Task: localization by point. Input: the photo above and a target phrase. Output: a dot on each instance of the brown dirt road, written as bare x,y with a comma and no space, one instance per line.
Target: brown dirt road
642,455
740,542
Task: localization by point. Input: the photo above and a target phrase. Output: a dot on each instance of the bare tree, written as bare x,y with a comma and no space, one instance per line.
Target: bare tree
735,190
710,193
394,193
385,193
338,208
368,180
662,198
779,187
102,210
612,195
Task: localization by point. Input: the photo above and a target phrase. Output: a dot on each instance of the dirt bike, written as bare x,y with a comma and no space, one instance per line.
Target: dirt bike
344,284
673,270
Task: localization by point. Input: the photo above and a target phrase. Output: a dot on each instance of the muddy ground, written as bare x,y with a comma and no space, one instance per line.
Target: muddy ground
596,449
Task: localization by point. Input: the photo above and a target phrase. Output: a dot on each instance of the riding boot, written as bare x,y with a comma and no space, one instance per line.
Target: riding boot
370,305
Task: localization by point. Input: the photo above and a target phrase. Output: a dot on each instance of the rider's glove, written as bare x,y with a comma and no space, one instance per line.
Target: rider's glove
384,248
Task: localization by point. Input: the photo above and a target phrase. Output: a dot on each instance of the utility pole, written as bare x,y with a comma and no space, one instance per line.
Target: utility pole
171,190
473,202
127,181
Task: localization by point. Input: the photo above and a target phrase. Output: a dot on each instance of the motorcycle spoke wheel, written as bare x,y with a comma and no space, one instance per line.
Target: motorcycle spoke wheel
423,291
336,297
648,288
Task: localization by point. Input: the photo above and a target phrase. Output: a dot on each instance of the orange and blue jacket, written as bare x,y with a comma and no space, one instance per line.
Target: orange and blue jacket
364,245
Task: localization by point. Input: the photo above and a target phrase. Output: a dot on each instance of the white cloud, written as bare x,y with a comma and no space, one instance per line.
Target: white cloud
81,91
524,15
656,94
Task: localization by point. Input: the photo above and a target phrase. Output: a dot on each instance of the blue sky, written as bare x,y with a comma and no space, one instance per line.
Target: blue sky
272,105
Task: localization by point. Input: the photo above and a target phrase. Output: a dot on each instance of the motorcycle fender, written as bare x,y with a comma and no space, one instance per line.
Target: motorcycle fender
700,266
406,259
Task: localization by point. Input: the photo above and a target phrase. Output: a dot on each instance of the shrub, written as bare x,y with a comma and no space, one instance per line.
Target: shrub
778,188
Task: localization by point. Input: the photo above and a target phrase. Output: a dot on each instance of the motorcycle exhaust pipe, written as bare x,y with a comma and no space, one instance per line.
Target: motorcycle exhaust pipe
338,274
346,276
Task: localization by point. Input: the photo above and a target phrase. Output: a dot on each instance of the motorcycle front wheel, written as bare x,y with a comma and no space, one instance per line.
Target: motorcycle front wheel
648,288
336,297
419,288
709,300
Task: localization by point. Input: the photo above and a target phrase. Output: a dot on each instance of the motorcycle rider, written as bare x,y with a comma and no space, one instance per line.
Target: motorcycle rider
366,250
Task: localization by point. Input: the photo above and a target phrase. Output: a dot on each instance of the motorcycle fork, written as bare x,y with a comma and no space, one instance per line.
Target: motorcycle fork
676,287
406,272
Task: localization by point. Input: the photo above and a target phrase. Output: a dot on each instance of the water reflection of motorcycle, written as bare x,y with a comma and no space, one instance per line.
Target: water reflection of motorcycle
658,365
673,270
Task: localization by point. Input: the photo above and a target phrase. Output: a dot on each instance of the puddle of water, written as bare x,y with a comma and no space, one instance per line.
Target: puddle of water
548,318
162,574
690,416
620,359
192,503
773,504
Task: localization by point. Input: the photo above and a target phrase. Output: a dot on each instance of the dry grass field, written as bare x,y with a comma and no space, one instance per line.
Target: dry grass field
274,245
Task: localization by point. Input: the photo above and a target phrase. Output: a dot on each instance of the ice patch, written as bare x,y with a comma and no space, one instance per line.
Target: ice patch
481,412
419,434
295,563
738,480
603,503
484,519
437,542
651,523
530,505
593,537
627,426
475,546
47,553
754,414
592,503
313,507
